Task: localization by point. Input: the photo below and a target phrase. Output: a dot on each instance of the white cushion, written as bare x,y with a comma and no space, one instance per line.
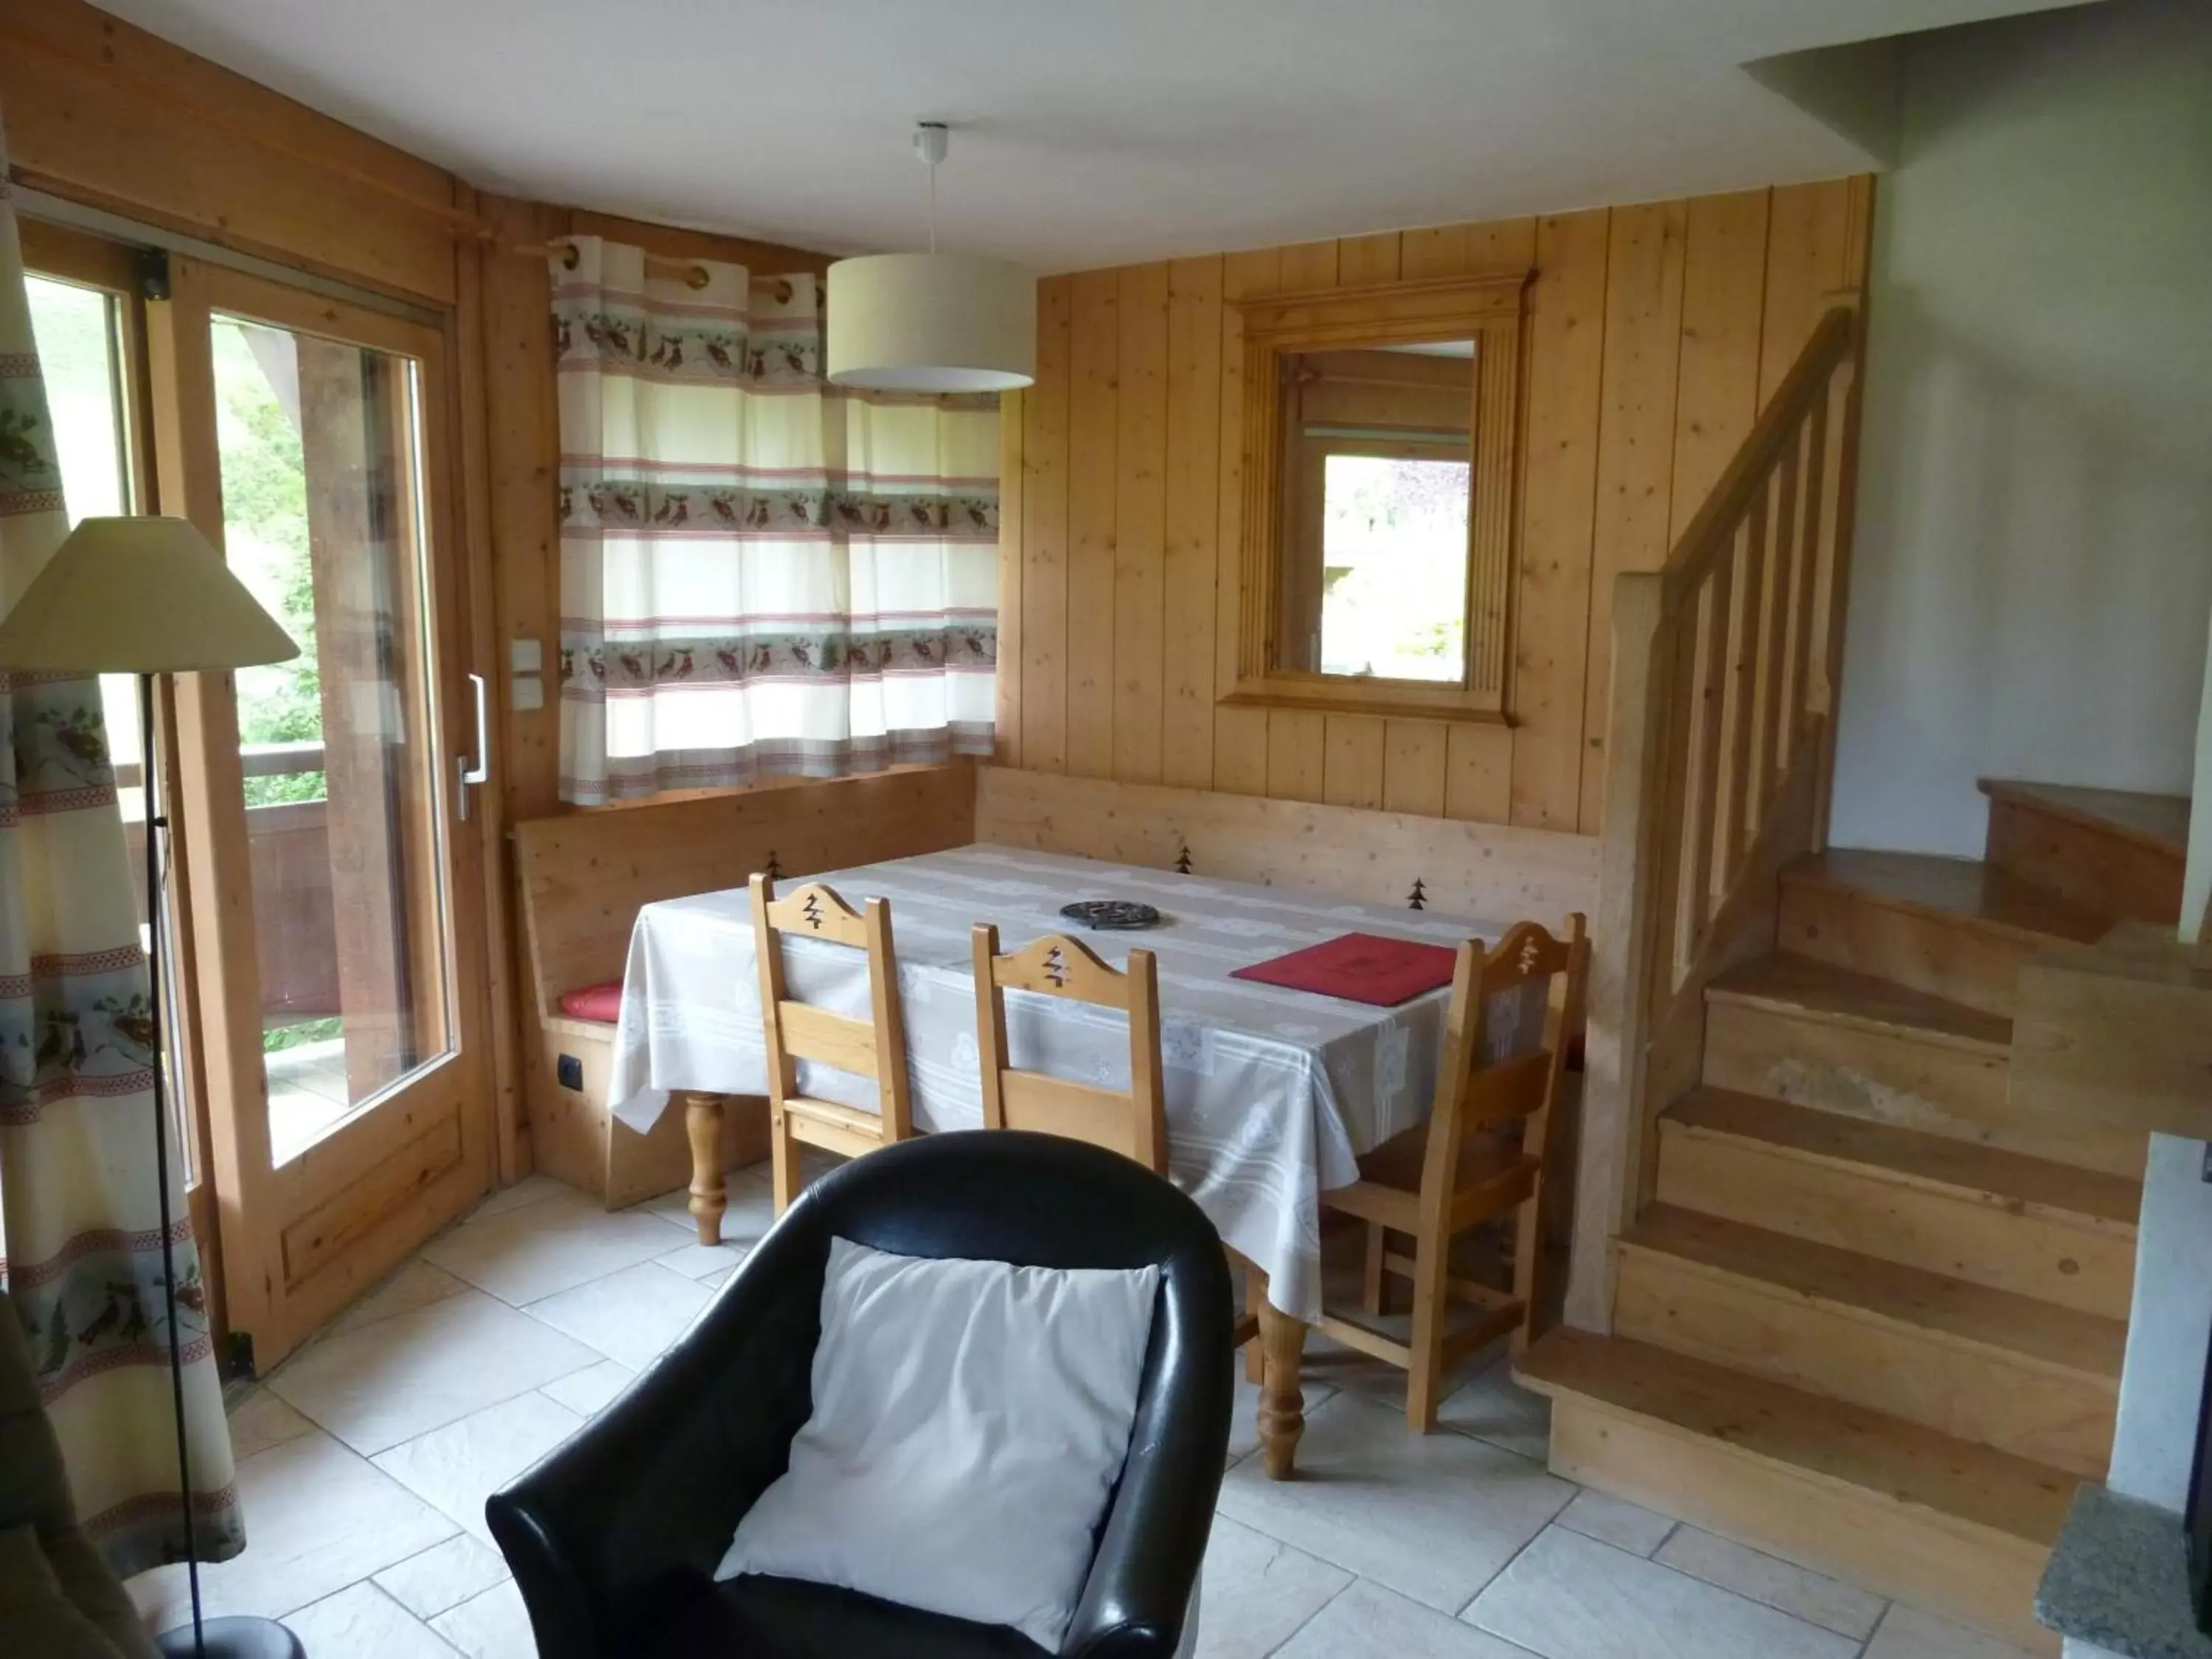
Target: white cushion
970,1418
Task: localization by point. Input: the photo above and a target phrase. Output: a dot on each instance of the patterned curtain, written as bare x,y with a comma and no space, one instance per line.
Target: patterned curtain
80,1234
760,572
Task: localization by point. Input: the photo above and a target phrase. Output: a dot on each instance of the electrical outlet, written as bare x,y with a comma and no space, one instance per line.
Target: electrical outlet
525,694
569,1070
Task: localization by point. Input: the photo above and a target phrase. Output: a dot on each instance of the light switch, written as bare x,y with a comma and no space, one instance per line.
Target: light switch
524,656
525,693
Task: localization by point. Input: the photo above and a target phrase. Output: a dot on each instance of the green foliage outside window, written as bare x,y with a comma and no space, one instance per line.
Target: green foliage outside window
265,500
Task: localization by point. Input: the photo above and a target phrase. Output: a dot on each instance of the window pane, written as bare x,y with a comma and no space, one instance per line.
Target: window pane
323,520
1394,568
77,354
80,358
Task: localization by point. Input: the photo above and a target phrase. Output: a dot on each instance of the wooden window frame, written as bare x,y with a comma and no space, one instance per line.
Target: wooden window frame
115,269
1491,311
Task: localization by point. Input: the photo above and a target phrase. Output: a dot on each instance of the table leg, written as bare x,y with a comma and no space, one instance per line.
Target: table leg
1282,1404
703,1122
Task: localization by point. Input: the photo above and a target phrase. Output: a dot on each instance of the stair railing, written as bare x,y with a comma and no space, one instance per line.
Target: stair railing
1719,745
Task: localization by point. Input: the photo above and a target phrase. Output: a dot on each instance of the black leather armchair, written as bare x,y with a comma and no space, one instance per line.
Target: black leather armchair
614,1537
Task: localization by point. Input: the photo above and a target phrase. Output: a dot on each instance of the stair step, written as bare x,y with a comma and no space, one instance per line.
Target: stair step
2113,850
1954,928
2160,823
1815,1035
1839,996
2028,1375
1929,1519
1999,1219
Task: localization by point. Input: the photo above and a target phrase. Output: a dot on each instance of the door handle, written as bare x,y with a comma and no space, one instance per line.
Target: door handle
478,770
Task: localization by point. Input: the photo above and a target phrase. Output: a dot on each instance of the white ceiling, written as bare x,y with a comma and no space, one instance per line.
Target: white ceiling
1086,132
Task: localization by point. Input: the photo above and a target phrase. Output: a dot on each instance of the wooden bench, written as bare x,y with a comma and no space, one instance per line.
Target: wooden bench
582,878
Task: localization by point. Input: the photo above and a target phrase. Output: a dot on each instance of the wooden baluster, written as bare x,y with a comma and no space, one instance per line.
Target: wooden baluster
1638,853
1798,698
1699,830
1785,588
1731,801
1678,638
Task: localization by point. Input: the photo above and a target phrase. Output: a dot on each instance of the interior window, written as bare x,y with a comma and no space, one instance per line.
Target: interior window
1379,477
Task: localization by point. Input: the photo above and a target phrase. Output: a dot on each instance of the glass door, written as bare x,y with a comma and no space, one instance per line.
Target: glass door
347,1075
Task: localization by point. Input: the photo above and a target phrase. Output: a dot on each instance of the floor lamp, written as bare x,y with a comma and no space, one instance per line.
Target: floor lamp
143,597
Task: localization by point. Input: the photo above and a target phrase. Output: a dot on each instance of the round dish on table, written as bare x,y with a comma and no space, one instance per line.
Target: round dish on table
1111,915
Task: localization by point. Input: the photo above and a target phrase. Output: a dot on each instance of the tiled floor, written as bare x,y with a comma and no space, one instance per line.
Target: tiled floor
365,1461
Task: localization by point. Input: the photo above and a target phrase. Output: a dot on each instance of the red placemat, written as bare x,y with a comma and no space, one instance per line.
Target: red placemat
1360,968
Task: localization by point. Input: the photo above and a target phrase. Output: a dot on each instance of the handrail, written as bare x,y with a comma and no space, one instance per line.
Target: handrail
256,760
1706,533
1719,739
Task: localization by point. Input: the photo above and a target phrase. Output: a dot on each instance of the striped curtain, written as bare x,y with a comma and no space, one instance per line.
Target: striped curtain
80,1232
761,573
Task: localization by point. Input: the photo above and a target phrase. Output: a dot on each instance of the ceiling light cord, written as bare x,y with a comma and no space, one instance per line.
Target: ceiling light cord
931,141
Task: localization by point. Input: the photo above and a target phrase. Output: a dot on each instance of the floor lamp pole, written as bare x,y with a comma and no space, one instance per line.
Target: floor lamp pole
233,1638
154,824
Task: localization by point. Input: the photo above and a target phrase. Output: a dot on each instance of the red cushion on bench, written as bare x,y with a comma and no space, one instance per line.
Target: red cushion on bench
599,1002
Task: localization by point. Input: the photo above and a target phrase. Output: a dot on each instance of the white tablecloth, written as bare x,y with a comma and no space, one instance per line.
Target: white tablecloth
1272,1094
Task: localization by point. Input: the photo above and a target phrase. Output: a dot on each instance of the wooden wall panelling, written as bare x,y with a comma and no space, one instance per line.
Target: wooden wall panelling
1191,514
1006,703
522,453
1361,260
1479,773
1045,535
1653,335
1473,774
1636,444
1566,324
1717,389
1353,760
1297,738
110,115
1487,873
1356,747
1298,754
1240,735
1140,522
1414,767
1807,264
1093,430
470,353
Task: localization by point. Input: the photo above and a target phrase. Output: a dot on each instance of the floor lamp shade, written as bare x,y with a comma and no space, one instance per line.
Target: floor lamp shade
932,322
138,596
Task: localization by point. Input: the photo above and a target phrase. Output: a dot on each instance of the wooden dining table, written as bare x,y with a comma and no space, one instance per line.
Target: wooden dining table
1272,1093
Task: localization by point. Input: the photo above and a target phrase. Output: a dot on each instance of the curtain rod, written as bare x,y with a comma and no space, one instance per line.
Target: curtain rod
690,272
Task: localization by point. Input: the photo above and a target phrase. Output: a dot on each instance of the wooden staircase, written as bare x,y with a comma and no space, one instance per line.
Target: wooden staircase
1870,1316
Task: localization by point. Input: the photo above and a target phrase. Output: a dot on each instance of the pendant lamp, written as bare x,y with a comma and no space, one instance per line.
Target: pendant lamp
932,322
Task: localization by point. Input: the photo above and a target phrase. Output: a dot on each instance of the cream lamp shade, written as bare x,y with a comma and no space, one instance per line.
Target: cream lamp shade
932,322
138,596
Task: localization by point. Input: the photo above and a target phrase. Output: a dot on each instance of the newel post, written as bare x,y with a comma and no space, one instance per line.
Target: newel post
1622,941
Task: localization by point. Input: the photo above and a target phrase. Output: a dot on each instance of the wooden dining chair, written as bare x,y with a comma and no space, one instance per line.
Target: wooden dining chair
1133,1122
874,1047
1481,1155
